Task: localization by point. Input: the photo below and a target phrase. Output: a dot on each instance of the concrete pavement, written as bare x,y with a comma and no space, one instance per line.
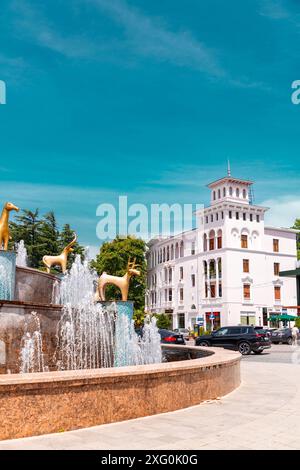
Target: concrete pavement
264,413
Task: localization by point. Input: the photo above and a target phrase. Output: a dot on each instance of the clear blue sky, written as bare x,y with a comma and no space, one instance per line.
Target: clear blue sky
149,99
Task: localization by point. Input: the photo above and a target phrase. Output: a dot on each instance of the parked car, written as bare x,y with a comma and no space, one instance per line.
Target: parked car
282,335
171,337
266,330
240,338
183,331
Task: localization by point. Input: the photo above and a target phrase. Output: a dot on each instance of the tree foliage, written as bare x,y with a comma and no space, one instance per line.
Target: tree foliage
297,227
113,259
139,317
163,321
41,236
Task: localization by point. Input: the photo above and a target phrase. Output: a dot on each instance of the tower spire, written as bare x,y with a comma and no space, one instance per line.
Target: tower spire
228,168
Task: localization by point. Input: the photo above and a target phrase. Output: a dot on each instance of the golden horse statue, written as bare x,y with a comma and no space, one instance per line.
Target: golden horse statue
4,227
121,282
61,259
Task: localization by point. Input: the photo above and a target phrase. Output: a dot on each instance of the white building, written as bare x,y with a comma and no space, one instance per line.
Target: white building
226,271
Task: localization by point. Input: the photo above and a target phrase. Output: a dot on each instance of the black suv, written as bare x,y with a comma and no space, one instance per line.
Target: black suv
240,338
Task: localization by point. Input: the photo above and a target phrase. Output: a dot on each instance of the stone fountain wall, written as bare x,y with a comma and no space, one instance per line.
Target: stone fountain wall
34,292
13,318
32,404
35,286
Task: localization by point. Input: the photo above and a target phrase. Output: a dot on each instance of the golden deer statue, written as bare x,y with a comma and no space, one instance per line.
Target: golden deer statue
61,259
4,227
121,282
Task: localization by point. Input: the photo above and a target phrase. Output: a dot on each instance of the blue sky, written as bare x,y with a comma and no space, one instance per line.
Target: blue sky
148,99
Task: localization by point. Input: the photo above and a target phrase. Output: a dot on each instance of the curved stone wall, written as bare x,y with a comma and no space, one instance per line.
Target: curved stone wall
32,404
35,286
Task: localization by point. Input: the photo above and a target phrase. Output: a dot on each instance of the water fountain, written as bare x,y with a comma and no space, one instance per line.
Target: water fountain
31,354
81,362
92,335
21,259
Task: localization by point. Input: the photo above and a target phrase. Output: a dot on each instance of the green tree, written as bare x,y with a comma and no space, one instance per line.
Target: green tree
42,237
163,321
26,227
65,237
139,318
48,236
113,259
297,227
297,322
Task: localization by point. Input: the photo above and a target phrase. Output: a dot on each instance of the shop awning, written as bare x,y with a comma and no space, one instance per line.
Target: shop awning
282,318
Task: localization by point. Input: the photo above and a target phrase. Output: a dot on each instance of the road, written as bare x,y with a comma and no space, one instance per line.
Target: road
279,353
263,413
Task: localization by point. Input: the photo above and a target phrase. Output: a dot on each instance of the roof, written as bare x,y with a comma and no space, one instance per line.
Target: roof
281,229
229,179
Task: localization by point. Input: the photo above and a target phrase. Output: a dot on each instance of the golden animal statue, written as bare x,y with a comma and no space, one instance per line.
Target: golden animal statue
4,227
121,282
61,259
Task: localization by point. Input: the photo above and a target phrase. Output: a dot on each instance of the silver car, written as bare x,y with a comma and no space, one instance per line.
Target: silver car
183,331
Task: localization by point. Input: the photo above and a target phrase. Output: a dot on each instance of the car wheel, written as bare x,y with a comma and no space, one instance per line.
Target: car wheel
203,343
289,341
257,352
244,348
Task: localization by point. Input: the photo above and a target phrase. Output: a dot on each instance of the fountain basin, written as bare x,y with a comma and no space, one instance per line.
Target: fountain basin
49,402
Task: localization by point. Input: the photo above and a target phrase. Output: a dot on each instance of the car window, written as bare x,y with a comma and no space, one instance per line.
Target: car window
246,330
221,332
164,333
235,331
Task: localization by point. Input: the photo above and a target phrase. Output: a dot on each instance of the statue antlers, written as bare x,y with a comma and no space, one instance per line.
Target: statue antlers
121,282
61,259
4,227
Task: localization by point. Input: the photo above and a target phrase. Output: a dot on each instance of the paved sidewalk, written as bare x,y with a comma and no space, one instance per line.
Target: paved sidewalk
264,413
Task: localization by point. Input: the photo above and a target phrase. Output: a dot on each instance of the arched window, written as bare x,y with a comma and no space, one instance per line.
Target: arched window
224,192
219,193
176,251
205,268
172,251
219,239
230,191
211,240
181,249
212,269
205,242
237,192
164,255
244,193
168,253
214,195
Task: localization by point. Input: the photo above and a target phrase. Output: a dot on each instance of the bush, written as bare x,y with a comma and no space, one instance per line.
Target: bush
297,322
139,318
163,321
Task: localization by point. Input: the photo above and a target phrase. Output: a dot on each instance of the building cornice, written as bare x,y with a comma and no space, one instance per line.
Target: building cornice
229,179
282,229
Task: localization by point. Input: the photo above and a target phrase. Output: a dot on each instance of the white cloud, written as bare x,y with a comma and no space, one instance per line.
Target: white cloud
31,23
283,210
149,37
274,9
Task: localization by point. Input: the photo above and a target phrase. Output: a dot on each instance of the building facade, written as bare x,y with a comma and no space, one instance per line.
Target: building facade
226,271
